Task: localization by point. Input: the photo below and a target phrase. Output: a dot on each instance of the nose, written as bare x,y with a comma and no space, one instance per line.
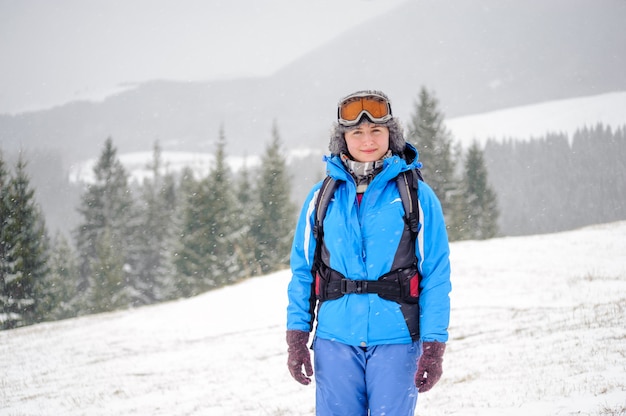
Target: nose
368,137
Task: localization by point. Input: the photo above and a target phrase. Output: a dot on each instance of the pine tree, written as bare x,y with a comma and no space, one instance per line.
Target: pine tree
247,202
25,250
58,288
208,244
5,218
477,210
273,222
108,219
109,278
222,259
157,227
434,144
190,246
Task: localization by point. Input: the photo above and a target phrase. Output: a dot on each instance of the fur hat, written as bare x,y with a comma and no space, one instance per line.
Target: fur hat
337,144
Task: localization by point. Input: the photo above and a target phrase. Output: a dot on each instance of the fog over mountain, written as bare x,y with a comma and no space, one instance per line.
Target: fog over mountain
476,57
66,50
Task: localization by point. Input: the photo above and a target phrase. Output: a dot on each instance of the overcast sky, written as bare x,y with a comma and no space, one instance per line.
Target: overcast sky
56,51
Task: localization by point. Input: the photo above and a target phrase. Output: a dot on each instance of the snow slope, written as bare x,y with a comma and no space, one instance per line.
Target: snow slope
560,116
537,329
137,164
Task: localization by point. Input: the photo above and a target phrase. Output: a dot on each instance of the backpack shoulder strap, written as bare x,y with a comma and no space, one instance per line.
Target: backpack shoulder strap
407,182
324,196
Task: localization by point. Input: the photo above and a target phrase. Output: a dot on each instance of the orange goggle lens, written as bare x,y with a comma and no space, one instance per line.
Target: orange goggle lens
376,108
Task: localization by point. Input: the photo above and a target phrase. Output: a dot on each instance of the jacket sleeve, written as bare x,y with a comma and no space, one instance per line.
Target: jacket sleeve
434,265
300,309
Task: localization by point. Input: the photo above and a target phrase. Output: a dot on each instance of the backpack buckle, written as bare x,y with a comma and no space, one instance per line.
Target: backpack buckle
353,286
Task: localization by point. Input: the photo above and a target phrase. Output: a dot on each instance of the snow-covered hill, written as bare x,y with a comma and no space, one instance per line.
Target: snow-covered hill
526,122
537,329
136,164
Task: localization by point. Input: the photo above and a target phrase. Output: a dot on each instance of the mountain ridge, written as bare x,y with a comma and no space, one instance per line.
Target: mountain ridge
477,57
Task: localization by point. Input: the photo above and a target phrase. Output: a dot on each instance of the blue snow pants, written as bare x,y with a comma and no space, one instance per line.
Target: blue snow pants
350,380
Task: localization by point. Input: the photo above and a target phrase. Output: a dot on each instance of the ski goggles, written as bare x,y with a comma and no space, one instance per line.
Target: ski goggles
352,108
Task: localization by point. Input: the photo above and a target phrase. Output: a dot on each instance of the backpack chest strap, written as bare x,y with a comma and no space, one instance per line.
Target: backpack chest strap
400,285
348,286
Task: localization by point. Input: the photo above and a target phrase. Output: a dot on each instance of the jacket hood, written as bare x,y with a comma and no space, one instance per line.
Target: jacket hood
411,155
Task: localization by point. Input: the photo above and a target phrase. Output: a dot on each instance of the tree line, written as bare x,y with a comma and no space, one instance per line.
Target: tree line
519,186
178,235
556,182
172,236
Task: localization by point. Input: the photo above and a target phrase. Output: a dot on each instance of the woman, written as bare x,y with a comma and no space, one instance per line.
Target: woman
372,352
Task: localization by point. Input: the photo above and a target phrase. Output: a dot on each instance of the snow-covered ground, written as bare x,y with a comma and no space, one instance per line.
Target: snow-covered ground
538,328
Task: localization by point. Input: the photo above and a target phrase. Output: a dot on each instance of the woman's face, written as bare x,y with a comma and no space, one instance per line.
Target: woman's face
367,142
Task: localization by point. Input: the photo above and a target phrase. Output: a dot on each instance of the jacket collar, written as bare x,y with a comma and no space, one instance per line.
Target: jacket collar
392,166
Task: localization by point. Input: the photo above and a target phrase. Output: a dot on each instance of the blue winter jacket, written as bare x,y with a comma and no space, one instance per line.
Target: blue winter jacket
362,241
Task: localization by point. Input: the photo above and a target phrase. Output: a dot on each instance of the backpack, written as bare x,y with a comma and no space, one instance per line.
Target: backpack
400,285
407,182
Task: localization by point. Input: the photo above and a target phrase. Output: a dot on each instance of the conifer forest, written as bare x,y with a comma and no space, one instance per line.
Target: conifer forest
177,235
